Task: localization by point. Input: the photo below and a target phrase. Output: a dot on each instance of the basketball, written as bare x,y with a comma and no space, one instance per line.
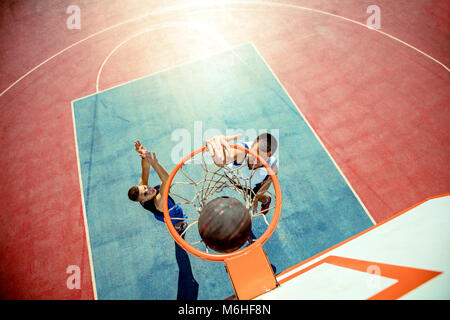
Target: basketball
224,224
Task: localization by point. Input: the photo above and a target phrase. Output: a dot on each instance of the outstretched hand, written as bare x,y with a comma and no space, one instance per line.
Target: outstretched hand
219,148
150,157
140,149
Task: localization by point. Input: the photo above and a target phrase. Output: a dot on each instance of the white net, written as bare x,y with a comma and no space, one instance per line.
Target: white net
199,180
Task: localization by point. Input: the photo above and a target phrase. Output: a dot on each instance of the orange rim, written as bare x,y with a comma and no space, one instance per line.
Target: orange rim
217,256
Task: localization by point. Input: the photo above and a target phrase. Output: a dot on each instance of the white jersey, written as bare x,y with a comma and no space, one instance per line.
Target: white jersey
260,174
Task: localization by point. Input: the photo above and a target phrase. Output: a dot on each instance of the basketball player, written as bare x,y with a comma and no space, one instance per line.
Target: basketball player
264,145
151,197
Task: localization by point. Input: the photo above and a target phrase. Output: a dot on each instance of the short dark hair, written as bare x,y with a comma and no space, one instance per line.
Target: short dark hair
267,142
133,193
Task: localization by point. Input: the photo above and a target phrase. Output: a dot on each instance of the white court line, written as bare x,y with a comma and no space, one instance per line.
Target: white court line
86,228
221,5
176,24
316,135
208,55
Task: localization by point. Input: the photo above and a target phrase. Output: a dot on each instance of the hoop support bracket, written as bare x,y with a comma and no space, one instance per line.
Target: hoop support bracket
251,274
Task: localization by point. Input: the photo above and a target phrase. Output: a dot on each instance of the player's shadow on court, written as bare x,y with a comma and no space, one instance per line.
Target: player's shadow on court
187,285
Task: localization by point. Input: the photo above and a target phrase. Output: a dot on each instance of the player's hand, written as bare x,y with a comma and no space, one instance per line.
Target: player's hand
220,150
150,157
140,149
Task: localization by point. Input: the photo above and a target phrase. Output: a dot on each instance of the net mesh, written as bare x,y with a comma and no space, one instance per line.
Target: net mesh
199,180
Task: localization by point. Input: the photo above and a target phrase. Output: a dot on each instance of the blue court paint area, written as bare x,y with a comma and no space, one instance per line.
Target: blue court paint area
133,254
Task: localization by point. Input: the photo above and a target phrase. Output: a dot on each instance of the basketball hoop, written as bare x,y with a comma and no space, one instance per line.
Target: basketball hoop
249,269
218,187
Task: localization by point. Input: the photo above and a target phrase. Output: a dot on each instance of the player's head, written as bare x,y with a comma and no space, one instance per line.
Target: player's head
264,145
141,193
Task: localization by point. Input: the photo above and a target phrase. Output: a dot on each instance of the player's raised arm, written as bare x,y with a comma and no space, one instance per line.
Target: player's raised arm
145,164
162,173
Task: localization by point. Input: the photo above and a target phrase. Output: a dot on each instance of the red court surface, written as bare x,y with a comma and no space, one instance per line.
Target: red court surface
377,100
